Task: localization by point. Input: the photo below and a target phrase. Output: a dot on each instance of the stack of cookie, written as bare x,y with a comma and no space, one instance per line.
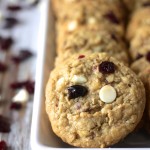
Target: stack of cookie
138,35
92,94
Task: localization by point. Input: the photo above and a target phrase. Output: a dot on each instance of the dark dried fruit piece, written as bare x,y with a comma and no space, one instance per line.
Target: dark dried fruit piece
3,67
4,124
81,56
6,43
10,22
3,145
146,4
28,85
23,55
76,91
16,105
114,37
148,56
112,18
107,67
14,8
138,56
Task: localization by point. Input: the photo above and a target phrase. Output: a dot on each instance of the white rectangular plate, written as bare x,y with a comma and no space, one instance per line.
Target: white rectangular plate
42,136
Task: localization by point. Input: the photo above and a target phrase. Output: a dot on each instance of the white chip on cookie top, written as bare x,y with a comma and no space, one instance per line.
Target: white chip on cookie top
60,83
79,79
72,26
107,94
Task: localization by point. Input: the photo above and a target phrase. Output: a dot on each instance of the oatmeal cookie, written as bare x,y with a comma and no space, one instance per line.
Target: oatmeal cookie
90,99
140,45
140,18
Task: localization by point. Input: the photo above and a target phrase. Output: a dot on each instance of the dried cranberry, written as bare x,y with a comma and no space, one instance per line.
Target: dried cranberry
114,37
3,145
10,22
6,43
146,4
14,8
3,67
30,87
76,91
4,124
111,16
138,56
148,56
81,56
16,105
23,55
107,67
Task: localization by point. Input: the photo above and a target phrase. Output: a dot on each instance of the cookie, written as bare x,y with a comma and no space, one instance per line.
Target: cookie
145,77
92,40
90,99
140,45
141,64
138,19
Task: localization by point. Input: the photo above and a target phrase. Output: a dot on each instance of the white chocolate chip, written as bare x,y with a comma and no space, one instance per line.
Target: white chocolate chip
79,79
22,96
92,20
72,26
60,83
107,94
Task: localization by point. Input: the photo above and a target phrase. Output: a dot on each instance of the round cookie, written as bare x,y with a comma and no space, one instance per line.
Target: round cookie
141,64
91,40
145,77
139,18
90,99
140,45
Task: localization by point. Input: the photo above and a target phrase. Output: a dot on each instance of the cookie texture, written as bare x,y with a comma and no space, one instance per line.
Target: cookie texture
79,108
91,40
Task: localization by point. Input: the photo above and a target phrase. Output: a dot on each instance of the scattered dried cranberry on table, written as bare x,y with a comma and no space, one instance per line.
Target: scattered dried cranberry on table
14,8
6,43
23,55
10,22
4,124
3,145
3,67
16,106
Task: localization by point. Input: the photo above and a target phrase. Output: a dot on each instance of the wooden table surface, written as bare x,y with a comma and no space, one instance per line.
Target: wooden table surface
25,36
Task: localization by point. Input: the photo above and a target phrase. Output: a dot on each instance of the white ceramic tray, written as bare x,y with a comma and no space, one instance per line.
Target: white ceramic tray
42,137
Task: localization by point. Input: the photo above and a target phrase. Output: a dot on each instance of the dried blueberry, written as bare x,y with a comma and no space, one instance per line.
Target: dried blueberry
16,105
107,67
23,55
6,43
76,91
138,56
3,145
148,56
3,67
111,17
4,124
81,56
14,8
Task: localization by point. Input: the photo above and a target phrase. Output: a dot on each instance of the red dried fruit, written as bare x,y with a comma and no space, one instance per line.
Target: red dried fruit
138,56
3,145
107,67
10,22
16,106
111,17
81,56
28,85
14,8
23,55
76,91
3,67
148,56
6,43
4,124
146,4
